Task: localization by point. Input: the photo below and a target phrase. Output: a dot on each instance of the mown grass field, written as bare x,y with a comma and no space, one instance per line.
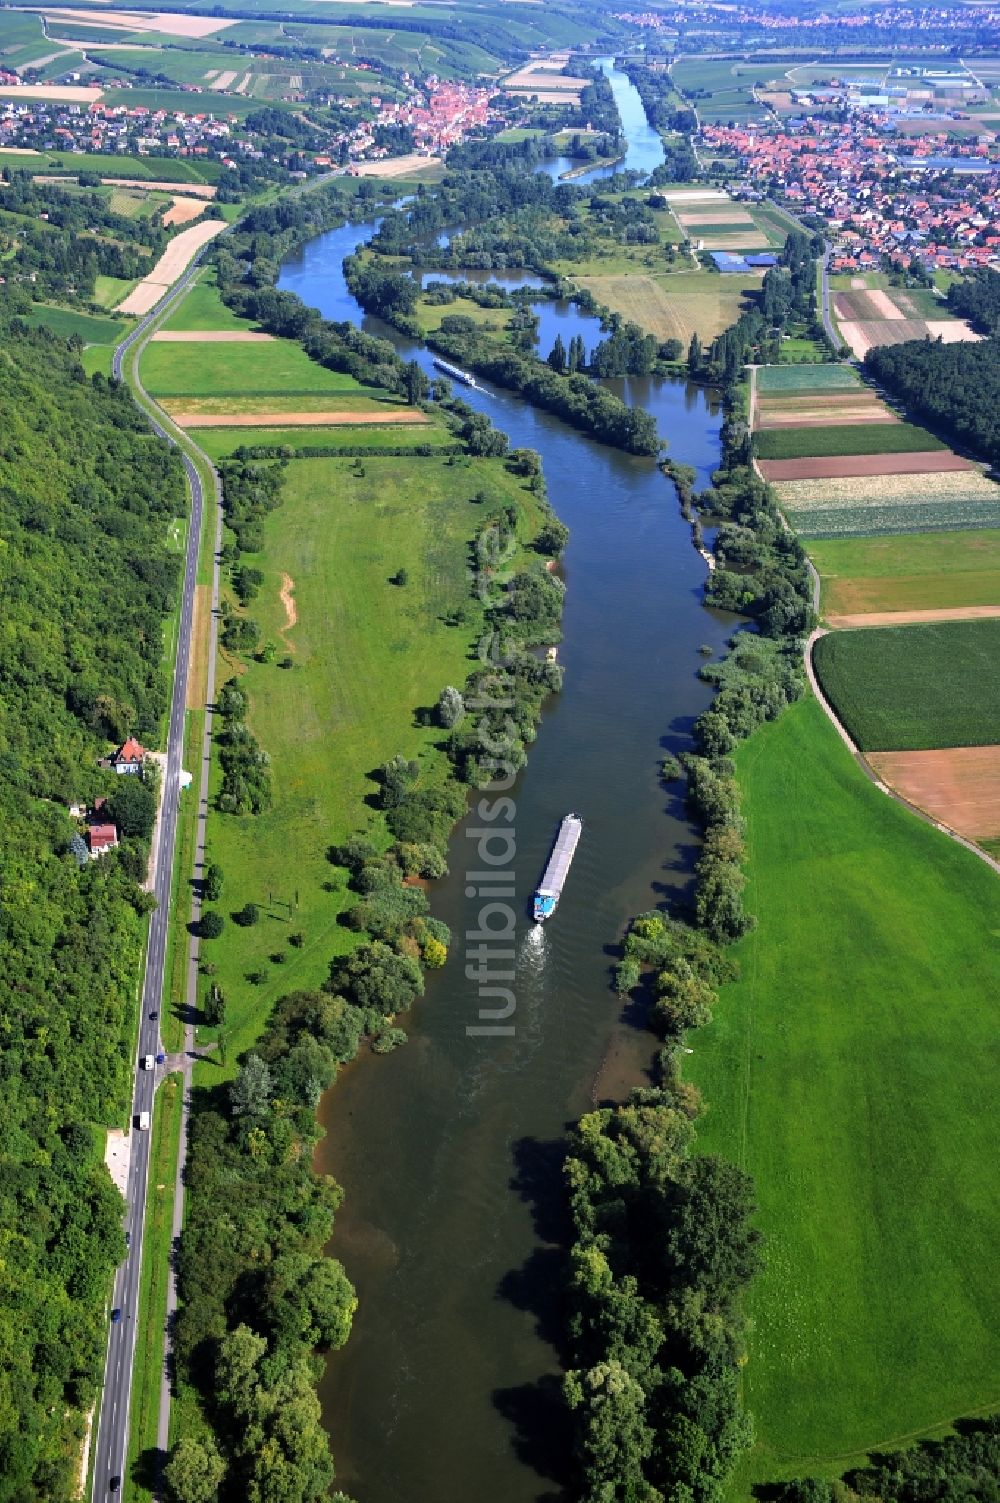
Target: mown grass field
220,442
849,438
65,322
674,305
203,309
919,571
239,370
779,378
852,1071
367,655
910,688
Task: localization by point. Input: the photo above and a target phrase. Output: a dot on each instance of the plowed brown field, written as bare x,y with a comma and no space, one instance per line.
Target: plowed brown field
834,467
960,786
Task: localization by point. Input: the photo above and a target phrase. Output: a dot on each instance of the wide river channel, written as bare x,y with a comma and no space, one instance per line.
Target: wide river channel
448,1149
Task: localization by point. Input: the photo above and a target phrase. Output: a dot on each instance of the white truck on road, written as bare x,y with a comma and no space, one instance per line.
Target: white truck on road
142,1121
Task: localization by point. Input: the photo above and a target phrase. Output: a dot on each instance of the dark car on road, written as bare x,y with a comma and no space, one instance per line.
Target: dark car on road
116,1316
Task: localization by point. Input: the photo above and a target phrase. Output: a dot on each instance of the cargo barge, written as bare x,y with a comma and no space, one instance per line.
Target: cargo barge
455,373
549,890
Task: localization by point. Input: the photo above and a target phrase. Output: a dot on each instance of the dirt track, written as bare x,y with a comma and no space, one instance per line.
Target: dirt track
845,466
210,336
959,786
175,260
390,417
912,618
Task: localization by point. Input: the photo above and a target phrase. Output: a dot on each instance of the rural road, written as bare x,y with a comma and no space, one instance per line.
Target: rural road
112,1425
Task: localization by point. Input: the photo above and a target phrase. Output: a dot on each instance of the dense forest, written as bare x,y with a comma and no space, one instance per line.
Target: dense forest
977,298
952,387
87,577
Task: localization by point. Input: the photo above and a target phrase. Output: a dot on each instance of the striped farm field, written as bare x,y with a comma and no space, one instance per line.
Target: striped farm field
854,438
899,490
912,688
824,414
878,506
875,520
803,378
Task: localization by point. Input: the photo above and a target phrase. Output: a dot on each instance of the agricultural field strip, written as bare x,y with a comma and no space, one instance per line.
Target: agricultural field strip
805,379
959,785
908,688
852,438
386,417
833,466
866,521
899,490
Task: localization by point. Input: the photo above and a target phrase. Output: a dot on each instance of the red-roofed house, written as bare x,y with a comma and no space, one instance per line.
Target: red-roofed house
100,839
129,757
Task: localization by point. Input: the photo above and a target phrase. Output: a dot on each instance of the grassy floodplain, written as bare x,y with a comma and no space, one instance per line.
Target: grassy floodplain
239,370
219,443
910,688
852,1071
367,654
920,571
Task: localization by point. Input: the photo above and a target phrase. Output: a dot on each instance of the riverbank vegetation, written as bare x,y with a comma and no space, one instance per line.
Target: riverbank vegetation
359,582
88,499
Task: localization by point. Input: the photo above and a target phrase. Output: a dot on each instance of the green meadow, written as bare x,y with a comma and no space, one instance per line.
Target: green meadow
65,322
852,1071
202,308
909,688
845,438
915,571
367,653
239,370
218,443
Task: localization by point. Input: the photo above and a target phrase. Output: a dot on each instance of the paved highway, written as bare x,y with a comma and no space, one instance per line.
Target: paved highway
112,1424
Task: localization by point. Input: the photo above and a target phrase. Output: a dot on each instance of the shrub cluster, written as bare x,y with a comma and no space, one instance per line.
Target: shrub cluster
246,769
964,1466
249,491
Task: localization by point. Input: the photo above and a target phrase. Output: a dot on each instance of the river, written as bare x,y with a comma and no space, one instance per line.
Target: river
448,1148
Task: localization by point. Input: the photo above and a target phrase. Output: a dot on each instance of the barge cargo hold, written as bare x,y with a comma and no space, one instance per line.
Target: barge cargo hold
455,373
550,888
